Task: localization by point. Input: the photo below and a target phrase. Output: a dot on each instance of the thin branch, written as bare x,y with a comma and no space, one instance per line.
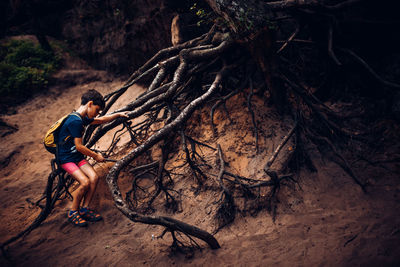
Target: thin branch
330,46
370,70
289,39
253,119
279,147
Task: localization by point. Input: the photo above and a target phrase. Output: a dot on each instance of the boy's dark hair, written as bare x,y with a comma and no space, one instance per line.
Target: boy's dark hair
93,95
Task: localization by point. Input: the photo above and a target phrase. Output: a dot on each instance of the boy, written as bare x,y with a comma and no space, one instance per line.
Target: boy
72,153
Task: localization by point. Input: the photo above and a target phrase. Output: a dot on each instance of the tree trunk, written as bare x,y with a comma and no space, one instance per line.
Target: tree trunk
41,37
244,17
248,20
37,26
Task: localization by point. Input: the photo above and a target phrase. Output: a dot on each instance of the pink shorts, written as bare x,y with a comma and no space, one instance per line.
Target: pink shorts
71,167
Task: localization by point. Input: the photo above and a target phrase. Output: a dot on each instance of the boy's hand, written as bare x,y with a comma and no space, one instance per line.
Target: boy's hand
123,114
111,117
99,158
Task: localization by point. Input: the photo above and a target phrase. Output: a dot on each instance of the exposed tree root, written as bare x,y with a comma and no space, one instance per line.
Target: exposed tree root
226,211
112,177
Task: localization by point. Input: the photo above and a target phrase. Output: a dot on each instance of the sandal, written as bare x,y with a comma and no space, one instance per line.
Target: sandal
90,215
76,219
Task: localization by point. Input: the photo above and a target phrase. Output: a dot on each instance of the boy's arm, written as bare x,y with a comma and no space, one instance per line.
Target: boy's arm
111,117
86,151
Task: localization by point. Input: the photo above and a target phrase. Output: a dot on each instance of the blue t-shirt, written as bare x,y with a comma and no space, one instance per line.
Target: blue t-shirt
72,128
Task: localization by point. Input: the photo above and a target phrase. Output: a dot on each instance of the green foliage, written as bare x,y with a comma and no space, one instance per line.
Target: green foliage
205,17
245,24
25,68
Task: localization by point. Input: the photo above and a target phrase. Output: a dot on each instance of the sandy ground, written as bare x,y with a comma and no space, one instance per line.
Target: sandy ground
324,220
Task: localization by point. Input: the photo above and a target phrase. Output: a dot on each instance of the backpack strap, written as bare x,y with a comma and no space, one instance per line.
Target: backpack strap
58,142
57,158
75,113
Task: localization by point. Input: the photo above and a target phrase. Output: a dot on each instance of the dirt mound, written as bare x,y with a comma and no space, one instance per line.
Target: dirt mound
324,219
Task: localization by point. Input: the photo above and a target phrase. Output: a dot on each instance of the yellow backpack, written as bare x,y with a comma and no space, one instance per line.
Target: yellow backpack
51,137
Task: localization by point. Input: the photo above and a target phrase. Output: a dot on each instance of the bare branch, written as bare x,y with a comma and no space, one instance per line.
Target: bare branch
370,70
278,148
289,39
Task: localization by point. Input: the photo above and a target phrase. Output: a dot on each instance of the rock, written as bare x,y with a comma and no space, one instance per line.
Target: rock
184,28
118,36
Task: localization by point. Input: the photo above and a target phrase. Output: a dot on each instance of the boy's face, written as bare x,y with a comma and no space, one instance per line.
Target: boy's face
93,110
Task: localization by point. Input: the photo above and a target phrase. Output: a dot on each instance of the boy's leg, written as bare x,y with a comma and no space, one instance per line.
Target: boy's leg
85,212
88,170
79,193
84,184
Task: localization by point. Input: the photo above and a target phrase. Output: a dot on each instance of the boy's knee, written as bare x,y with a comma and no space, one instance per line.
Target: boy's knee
94,178
85,184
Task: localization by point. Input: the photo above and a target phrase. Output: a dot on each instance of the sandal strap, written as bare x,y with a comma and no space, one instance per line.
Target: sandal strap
76,218
90,215
93,213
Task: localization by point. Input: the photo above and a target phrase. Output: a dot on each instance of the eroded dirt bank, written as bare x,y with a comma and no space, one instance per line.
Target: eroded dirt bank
324,219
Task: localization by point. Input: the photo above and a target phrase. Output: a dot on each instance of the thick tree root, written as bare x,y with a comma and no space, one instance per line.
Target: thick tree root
112,177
